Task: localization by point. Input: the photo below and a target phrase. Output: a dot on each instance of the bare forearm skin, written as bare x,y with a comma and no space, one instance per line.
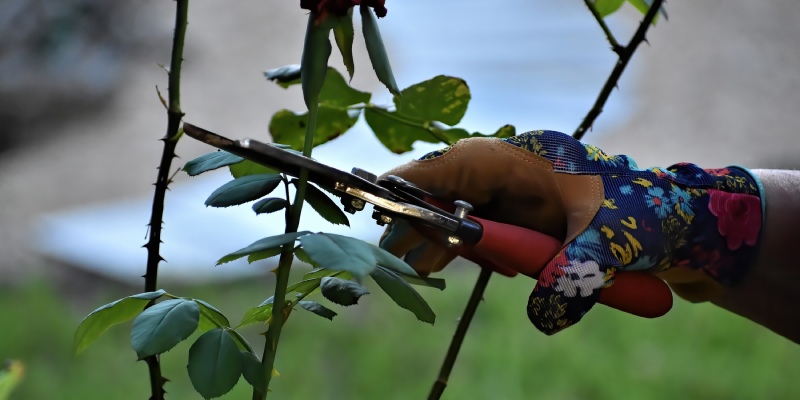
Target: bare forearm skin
770,294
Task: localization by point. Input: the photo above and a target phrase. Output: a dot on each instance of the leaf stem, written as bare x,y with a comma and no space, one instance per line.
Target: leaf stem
624,57
461,332
615,46
174,116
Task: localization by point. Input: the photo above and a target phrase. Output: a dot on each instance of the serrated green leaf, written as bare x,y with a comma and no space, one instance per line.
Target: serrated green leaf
442,98
340,291
214,363
261,313
270,205
248,167
376,49
336,93
314,61
343,253
392,262
265,244
253,371
436,283
607,7
644,6
210,317
262,255
160,327
403,294
285,76
304,286
318,309
303,256
343,33
324,206
397,132
210,161
290,128
99,320
317,273
244,189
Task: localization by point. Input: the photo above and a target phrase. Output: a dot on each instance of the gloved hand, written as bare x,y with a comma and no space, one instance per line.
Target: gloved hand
695,228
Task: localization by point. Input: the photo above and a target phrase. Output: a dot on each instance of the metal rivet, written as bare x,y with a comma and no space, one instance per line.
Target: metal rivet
453,240
462,209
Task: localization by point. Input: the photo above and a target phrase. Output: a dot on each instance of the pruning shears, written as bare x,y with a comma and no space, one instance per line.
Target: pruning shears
504,248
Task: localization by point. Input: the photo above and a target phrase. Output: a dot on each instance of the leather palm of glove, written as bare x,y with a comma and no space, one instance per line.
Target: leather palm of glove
693,227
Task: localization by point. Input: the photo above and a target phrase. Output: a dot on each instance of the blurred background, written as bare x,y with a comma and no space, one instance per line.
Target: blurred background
80,119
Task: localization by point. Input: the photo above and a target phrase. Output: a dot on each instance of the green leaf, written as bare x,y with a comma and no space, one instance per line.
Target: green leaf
254,315
376,49
442,98
304,286
505,131
340,291
265,244
314,62
644,6
324,206
290,128
336,93
244,189
317,273
270,205
210,161
253,371
343,33
426,281
210,317
343,253
397,132
248,167
403,294
10,376
303,256
162,326
285,76
456,134
389,260
318,309
99,320
262,255
214,363
607,7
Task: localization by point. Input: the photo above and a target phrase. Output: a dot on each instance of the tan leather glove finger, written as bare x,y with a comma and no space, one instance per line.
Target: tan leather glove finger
423,255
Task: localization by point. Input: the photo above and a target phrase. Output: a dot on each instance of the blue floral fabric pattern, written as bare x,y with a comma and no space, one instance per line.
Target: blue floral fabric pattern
650,220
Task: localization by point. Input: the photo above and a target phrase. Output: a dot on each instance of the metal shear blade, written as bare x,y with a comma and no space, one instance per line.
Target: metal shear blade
392,198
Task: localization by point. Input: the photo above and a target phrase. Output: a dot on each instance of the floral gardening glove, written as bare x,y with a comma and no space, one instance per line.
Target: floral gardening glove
696,228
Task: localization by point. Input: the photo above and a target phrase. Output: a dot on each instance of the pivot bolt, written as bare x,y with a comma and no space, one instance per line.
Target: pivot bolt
462,209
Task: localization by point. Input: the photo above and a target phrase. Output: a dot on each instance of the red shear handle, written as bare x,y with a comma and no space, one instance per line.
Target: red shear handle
527,251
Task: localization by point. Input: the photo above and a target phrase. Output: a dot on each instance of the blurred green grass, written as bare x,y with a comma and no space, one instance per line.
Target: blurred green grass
376,350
